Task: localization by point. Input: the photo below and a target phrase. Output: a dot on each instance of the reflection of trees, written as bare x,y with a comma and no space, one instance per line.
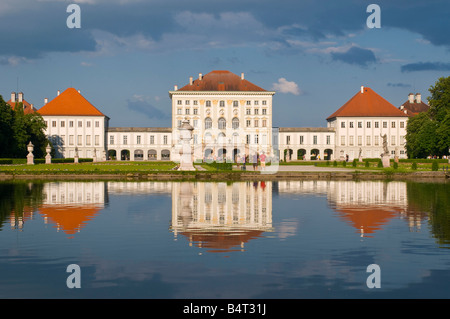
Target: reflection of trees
19,199
434,199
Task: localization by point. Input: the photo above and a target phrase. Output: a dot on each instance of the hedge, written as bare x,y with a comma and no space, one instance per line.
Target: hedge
10,161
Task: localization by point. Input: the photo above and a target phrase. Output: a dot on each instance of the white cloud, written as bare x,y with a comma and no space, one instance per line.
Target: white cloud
285,86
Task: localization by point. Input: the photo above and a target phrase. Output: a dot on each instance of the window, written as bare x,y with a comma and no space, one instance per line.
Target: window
393,124
235,123
80,124
63,123
393,140
46,124
187,102
288,140
264,123
384,124
376,141
264,111
368,124
111,140
342,124
256,123
264,102
138,139
165,139
53,123
222,123
195,138
359,140
179,111
70,123
248,123
179,102
125,139
195,111
97,139
256,103
97,124
342,140
222,103
80,139
249,102
208,123
350,141
359,124
88,124
152,139
328,139
208,103
256,111
195,123
70,139
301,139
368,140
195,102
248,111
248,138
235,103
314,139
256,138
88,140
187,111
377,125
351,124
402,124
63,138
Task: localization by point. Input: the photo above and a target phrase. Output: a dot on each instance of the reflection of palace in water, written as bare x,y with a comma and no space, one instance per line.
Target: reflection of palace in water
220,216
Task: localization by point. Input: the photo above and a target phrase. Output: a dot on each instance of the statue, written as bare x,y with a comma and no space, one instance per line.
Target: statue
385,155
360,154
385,148
75,159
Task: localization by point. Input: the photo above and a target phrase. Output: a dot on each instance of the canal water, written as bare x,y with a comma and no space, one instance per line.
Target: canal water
178,240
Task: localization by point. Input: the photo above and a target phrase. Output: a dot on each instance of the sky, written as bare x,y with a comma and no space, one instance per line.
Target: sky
127,54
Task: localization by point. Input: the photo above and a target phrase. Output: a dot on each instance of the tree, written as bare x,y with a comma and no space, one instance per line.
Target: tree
428,133
6,129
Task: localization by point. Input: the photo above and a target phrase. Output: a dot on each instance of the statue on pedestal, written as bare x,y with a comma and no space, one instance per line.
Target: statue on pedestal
385,158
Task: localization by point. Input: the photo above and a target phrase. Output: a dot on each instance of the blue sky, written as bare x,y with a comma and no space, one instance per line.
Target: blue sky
128,54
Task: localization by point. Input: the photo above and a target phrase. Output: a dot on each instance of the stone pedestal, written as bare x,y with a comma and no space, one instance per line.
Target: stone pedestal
186,151
30,156
48,157
385,159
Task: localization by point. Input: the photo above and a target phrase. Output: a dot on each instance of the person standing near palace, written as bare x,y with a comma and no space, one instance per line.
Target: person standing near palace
255,161
262,159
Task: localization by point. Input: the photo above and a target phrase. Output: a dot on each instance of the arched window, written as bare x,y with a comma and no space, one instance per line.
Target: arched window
222,124
221,138
208,123
235,123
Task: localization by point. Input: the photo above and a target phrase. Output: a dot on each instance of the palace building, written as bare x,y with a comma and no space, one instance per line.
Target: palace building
230,117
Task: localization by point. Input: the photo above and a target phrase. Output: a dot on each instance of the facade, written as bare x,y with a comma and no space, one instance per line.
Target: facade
19,98
231,116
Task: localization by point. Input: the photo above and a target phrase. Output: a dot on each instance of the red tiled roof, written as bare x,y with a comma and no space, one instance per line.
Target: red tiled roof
27,107
221,81
70,102
414,108
367,104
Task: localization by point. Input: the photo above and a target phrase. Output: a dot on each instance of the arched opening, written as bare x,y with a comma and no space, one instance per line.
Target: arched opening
165,155
222,123
221,154
235,138
288,154
327,155
221,139
138,155
315,154
112,155
125,155
301,154
152,155
208,123
208,154
236,153
235,123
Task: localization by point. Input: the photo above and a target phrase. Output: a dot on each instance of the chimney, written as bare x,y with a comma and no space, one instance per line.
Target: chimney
411,98
175,88
13,97
191,79
79,91
200,76
58,92
242,75
362,88
20,97
45,101
418,98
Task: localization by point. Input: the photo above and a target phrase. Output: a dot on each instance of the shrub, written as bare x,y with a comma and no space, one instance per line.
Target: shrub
344,163
434,166
414,166
335,163
367,164
395,165
354,163
380,164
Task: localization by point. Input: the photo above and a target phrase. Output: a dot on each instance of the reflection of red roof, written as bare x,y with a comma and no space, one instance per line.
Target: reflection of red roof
69,218
367,219
70,102
221,241
367,104
221,81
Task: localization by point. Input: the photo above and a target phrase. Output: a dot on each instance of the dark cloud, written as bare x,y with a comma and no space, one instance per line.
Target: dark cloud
143,107
425,66
399,85
355,55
